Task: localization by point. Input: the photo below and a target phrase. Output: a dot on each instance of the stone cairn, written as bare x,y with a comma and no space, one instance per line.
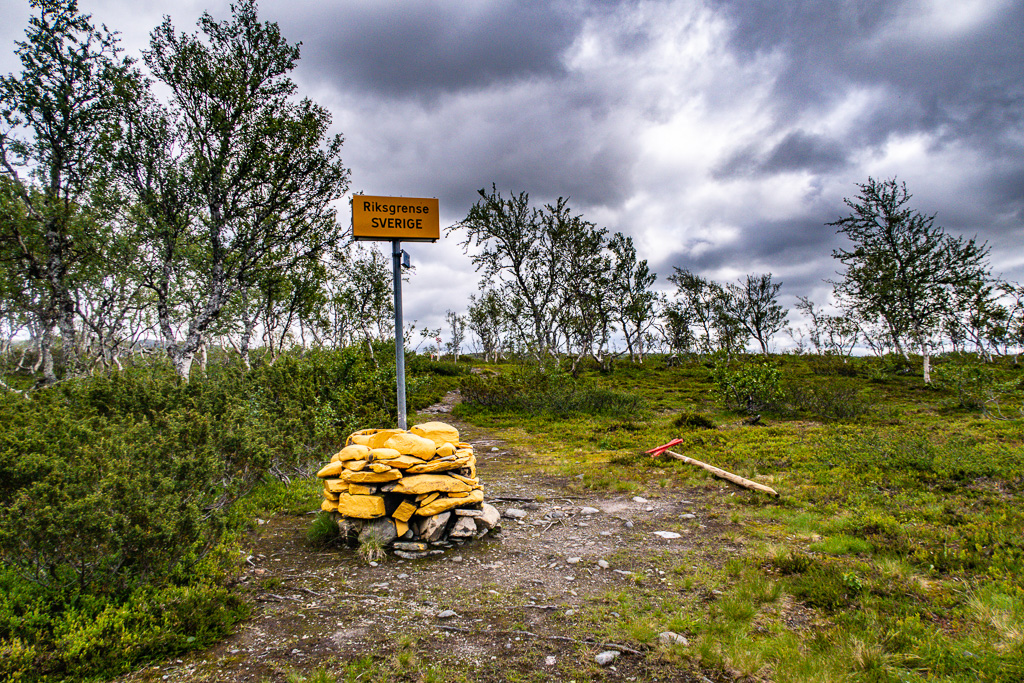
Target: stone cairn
414,491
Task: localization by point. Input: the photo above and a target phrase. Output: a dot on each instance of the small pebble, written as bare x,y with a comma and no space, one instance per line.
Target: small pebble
494,449
640,499
629,524
573,560
373,564
688,516
515,513
446,614
607,657
603,564
549,660
589,511
672,638
666,534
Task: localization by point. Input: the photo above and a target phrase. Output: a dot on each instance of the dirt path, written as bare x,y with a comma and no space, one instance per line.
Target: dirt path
517,596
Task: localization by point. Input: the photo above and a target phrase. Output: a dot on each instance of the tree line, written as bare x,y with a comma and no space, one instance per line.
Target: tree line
191,204
554,285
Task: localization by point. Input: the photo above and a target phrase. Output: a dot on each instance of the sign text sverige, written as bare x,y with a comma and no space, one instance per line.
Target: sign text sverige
409,219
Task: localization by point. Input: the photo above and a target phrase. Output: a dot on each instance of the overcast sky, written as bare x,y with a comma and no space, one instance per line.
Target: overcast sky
721,136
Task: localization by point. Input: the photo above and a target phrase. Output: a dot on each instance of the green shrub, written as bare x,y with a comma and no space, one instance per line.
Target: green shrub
832,400
833,366
972,383
750,388
119,492
86,636
694,421
323,531
555,394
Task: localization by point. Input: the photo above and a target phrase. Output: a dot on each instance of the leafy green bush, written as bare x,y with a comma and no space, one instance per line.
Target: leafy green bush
48,636
833,366
974,384
535,392
118,494
423,364
750,388
694,421
832,400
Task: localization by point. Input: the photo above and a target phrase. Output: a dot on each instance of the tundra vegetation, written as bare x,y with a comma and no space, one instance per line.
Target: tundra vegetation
186,335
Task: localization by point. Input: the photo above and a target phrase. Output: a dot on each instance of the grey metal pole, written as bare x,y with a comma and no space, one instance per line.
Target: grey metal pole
396,260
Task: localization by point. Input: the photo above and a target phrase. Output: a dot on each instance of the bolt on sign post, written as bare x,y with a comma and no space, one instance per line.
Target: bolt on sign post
394,219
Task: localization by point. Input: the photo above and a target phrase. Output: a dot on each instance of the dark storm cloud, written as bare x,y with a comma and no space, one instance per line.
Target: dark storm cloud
961,81
796,151
765,246
425,48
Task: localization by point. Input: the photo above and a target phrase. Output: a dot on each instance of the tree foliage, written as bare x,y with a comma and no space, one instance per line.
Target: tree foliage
901,268
54,119
565,285
234,178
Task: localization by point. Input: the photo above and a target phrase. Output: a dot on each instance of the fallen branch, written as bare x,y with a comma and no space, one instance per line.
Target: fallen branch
718,472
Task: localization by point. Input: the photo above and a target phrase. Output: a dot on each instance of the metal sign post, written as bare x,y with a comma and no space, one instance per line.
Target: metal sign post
396,264
395,219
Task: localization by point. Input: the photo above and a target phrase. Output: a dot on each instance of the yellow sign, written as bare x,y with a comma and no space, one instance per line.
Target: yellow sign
409,219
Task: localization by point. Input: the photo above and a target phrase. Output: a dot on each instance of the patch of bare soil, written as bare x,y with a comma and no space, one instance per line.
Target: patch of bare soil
517,595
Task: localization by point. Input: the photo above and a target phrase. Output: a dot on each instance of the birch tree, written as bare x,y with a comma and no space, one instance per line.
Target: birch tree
234,177
901,267
54,118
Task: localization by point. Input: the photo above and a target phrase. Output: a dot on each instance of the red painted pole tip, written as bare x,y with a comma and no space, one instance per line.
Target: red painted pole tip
655,452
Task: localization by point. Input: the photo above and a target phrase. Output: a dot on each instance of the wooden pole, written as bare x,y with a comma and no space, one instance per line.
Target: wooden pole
718,472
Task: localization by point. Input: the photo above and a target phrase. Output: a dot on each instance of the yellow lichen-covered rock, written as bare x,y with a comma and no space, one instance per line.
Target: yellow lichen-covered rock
412,444
360,437
330,496
381,437
352,452
378,454
424,483
331,469
438,432
441,465
404,511
380,467
335,485
359,490
427,498
373,477
404,462
445,450
442,504
329,506
362,507
401,527
356,465
461,494
471,481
